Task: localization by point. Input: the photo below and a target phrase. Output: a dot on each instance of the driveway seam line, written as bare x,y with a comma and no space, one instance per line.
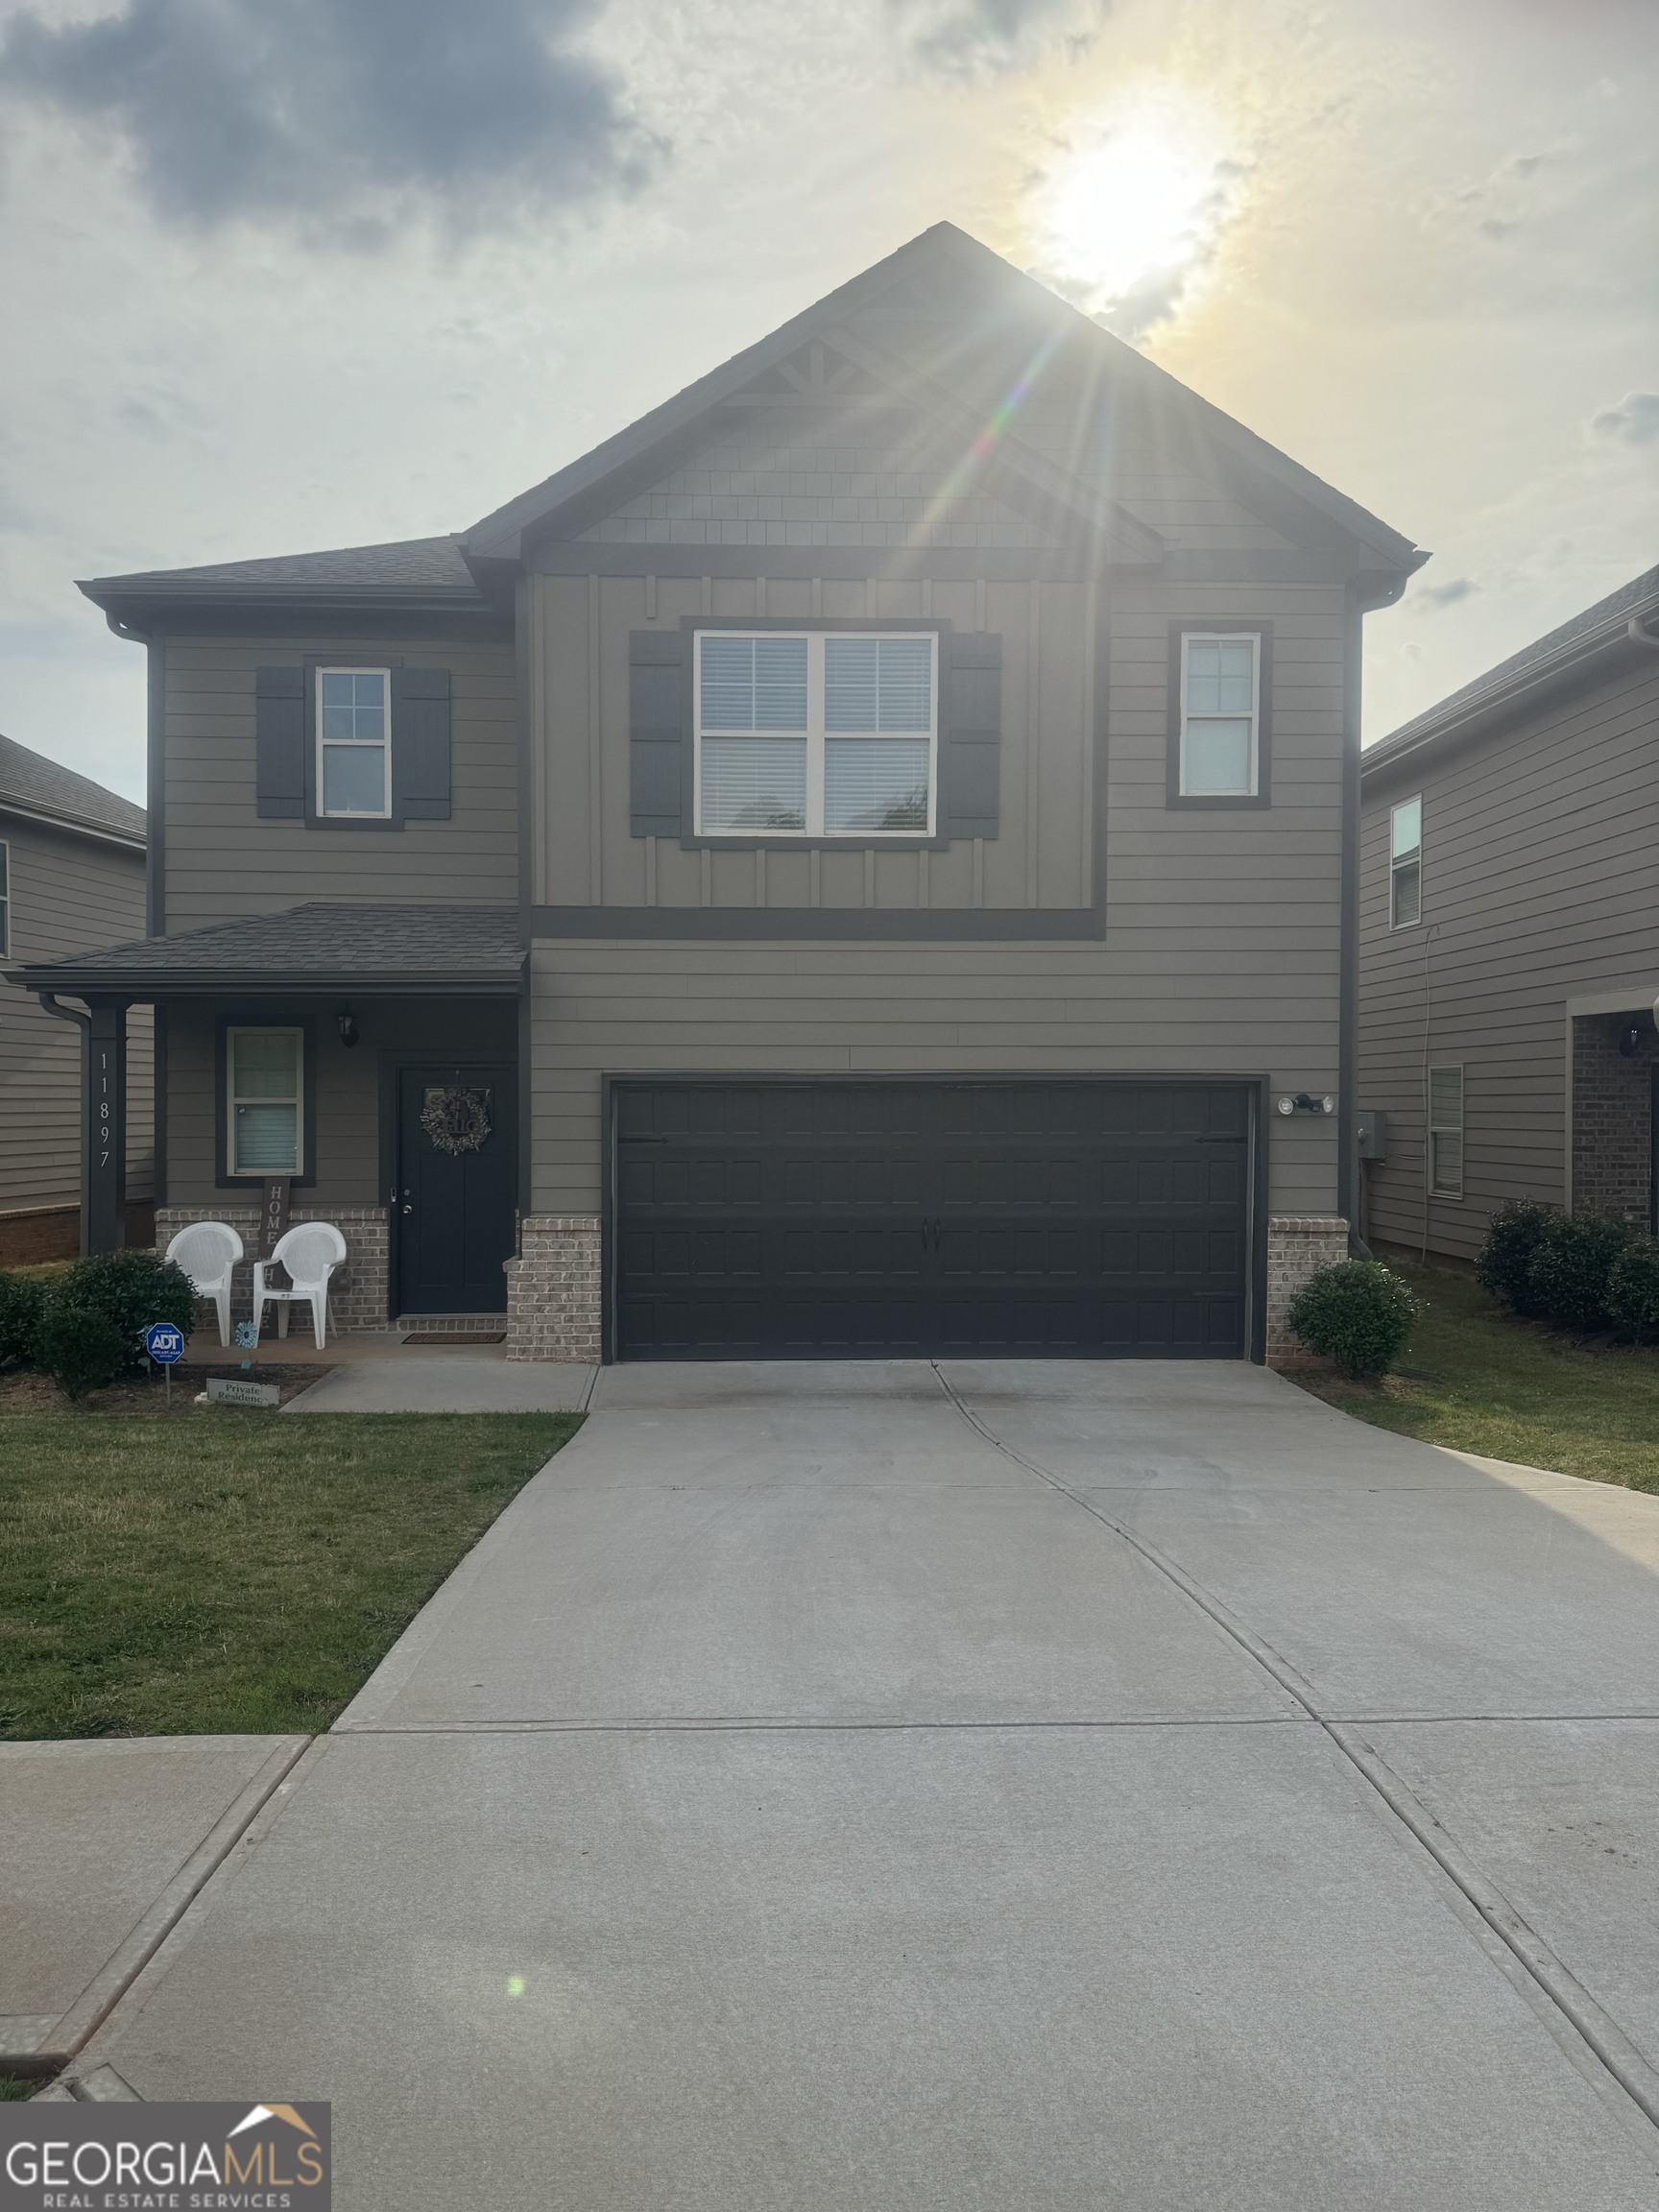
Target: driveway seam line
1597,2028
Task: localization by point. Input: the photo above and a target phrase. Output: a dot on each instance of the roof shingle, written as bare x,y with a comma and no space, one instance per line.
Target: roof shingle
420,567
43,786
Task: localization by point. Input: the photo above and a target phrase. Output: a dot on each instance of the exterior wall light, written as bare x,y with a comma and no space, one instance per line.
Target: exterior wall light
1306,1102
347,1029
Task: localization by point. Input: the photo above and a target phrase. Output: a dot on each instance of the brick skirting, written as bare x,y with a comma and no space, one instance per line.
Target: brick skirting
553,1289
358,1293
1298,1246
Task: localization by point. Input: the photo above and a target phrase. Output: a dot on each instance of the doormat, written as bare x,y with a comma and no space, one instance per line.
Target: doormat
430,1336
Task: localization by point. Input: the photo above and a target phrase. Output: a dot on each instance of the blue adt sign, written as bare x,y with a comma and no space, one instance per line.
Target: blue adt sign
164,1343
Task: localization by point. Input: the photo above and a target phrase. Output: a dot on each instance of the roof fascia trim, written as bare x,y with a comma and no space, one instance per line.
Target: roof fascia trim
76,825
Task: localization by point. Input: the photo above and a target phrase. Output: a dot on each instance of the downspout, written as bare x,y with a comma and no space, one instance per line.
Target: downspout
84,1022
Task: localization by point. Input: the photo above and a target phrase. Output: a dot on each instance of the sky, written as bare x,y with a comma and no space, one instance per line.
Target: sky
332,271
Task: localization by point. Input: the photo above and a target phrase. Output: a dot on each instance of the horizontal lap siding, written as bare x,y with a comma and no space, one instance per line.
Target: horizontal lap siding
67,894
223,860
1221,946
1540,882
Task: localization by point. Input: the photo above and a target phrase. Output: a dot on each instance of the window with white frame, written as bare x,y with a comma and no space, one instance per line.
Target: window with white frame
1406,864
354,742
264,1076
816,734
1446,1132
1221,714
4,900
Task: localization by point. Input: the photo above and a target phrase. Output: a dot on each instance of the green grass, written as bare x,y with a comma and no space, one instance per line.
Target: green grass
13,2092
1475,1378
228,1571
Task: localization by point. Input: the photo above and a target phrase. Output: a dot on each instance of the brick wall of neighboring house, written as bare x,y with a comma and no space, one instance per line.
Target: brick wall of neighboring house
358,1293
1612,1163
1298,1246
553,1289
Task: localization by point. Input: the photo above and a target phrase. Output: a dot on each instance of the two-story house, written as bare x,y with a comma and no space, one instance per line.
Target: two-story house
72,870
855,865
1509,938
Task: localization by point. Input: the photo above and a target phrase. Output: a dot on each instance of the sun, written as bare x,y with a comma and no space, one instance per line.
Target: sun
1133,202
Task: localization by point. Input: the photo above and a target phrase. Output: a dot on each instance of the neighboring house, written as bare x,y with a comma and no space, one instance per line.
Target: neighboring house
853,865
71,877
1510,937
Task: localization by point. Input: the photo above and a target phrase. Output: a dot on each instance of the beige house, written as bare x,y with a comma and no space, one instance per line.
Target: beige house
71,877
858,864
1509,940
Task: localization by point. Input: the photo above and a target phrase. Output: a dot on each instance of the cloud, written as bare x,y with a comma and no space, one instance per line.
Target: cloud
1449,593
1634,421
965,38
340,114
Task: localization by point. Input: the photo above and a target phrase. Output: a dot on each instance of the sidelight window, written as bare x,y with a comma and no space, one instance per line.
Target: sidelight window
816,735
263,1073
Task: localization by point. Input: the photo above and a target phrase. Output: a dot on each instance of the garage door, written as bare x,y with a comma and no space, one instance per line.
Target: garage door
896,1219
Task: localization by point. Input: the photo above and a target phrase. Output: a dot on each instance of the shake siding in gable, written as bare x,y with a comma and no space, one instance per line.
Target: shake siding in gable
224,860
1540,883
66,893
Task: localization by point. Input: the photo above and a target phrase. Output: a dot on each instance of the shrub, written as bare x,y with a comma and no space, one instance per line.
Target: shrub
19,1312
1357,1313
1571,1264
131,1290
1505,1262
1633,1288
78,1346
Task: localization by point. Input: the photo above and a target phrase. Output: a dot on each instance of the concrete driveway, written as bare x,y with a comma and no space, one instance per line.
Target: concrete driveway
992,1786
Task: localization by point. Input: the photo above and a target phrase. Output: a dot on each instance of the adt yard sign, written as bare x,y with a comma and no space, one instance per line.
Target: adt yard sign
164,1343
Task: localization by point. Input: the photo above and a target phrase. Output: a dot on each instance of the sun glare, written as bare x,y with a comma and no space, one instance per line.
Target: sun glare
1132,204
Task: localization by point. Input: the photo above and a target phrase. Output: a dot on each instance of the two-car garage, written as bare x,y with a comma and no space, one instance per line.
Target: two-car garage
909,1217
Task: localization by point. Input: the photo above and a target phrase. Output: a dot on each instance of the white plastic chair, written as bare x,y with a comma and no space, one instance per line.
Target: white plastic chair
311,1252
207,1252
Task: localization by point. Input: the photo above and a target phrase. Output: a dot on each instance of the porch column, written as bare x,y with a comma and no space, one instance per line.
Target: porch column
104,1159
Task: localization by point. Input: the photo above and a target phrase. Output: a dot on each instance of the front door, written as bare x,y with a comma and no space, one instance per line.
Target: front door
457,1176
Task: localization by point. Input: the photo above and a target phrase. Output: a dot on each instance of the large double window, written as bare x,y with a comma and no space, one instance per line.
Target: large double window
816,734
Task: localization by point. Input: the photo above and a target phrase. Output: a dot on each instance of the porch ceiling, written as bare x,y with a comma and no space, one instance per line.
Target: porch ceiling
393,951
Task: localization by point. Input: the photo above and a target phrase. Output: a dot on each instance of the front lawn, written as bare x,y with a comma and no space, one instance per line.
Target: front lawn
228,1571
1479,1380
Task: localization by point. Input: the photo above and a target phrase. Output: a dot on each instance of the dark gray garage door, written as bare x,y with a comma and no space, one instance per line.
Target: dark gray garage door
846,1220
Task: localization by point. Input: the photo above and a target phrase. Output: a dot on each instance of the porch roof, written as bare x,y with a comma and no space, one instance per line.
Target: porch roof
401,951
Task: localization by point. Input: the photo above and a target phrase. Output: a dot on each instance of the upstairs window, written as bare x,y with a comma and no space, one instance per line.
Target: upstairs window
353,742
5,901
816,735
1406,864
1221,714
262,1086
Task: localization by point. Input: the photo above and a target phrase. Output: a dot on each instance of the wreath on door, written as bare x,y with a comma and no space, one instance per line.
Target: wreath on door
456,1121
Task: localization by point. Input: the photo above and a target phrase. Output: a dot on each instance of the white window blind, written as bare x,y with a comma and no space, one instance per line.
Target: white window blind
4,901
263,1071
1220,715
1406,864
1446,1132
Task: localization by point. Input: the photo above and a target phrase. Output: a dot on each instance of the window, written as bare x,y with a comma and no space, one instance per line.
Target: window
1221,714
353,749
1446,1132
4,901
816,735
263,1090
1406,864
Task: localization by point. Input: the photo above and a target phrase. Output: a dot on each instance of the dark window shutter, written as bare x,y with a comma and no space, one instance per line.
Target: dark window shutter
971,764
280,743
658,737
420,744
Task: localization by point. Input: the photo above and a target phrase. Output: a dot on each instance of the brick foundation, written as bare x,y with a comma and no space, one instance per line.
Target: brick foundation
1611,1138
359,1291
553,1289
1298,1246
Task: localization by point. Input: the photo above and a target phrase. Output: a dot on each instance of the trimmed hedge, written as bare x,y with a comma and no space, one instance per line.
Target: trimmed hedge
131,1290
1572,1263
1512,1239
78,1346
1633,1288
20,1303
1358,1313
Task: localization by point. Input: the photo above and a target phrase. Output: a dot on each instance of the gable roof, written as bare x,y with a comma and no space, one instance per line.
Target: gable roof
316,947
1549,659
46,791
943,253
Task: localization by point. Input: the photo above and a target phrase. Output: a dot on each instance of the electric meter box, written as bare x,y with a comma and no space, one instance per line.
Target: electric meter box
1373,1129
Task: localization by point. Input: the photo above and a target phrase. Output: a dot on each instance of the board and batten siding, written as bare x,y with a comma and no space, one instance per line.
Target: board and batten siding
1540,885
1221,944
67,894
223,860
